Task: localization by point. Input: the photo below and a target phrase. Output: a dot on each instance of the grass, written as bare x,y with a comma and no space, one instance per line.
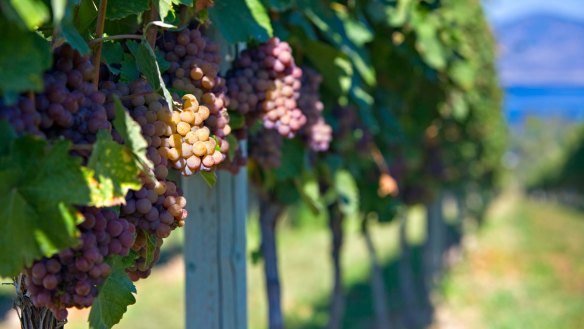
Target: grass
526,270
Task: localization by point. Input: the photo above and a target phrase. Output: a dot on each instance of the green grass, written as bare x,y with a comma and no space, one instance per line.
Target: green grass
526,270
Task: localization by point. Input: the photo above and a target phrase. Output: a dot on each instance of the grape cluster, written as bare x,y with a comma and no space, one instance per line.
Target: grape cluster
191,147
158,207
155,210
22,116
265,147
316,132
70,105
70,278
194,69
265,83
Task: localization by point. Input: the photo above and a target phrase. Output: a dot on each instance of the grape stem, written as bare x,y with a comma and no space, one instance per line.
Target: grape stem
116,37
99,33
82,147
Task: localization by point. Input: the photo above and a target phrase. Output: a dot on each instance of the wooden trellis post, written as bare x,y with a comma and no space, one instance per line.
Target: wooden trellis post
215,252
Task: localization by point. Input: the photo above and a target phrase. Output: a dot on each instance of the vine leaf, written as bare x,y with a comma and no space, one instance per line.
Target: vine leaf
25,71
116,171
114,297
28,14
148,66
248,19
131,132
36,216
63,22
118,9
209,177
335,66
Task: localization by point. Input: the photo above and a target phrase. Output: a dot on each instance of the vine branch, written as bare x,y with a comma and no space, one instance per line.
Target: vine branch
116,37
99,33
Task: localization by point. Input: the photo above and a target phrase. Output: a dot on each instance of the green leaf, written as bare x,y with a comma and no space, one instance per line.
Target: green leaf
236,120
247,20
210,177
128,69
348,192
151,243
24,56
114,297
163,7
28,14
428,42
281,5
233,146
188,3
148,66
463,74
63,23
86,17
112,54
310,194
459,106
292,162
131,132
334,66
118,9
36,216
334,29
116,170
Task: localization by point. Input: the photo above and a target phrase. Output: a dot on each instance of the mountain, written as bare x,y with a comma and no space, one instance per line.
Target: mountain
541,50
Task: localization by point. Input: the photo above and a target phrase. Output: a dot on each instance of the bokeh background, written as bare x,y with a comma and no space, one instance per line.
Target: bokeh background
523,269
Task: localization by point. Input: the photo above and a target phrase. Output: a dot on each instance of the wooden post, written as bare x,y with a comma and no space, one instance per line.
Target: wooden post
215,252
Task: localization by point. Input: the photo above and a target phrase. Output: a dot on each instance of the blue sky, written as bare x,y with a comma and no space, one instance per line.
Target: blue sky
505,10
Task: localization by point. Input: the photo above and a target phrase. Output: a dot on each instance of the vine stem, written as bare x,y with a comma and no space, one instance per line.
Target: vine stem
151,33
99,33
116,37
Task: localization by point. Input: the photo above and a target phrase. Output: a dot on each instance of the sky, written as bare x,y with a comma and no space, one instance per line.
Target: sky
505,10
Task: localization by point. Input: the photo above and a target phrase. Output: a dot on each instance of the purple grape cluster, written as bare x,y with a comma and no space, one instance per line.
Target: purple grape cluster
23,116
265,83
317,133
70,105
155,211
71,277
265,147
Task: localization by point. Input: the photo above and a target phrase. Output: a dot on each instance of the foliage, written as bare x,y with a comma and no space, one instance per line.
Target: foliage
415,78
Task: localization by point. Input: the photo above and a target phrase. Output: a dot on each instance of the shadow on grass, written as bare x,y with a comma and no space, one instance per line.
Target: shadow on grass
359,308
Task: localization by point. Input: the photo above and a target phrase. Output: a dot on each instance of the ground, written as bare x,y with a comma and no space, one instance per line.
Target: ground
523,269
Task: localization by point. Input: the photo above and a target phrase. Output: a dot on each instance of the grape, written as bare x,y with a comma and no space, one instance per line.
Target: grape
316,132
194,69
23,117
70,278
71,106
265,83
266,148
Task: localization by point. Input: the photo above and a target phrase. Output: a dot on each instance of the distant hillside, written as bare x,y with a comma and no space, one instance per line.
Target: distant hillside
541,50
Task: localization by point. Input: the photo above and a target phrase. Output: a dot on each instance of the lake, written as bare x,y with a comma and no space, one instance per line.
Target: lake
521,102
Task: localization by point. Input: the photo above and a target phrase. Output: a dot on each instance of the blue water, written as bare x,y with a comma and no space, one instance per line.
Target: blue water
565,102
